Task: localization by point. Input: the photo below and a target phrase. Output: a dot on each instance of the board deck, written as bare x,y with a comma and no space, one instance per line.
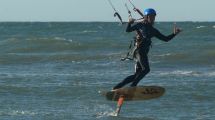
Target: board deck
135,93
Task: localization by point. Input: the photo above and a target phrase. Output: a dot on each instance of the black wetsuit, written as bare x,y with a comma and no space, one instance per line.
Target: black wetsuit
146,32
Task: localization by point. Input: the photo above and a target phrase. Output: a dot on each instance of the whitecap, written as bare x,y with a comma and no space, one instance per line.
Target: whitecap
104,110
19,112
105,114
163,55
211,74
70,40
154,62
200,26
89,31
59,38
180,72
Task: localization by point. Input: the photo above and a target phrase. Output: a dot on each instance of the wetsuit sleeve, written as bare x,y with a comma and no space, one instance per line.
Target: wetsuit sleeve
163,37
131,28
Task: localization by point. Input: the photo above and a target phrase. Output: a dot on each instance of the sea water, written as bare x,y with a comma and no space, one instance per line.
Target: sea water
54,70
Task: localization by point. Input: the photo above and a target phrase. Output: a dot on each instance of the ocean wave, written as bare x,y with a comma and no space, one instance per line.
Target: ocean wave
31,55
164,55
39,45
192,57
53,44
103,111
36,44
211,74
16,89
200,27
172,57
17,113
179,73
186,73
89,31
31,75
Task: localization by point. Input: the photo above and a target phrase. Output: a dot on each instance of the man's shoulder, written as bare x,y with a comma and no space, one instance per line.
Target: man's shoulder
139,25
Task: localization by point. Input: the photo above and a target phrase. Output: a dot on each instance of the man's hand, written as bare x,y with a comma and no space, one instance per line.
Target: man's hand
131,20
176,30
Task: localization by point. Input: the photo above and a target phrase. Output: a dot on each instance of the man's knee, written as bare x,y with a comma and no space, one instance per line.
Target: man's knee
146,71
143,73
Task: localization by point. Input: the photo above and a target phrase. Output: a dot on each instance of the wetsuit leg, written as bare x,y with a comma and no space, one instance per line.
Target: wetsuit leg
125,81
145,69
130,78
142,68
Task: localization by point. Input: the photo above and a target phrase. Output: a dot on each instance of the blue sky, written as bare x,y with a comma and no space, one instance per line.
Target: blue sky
100,10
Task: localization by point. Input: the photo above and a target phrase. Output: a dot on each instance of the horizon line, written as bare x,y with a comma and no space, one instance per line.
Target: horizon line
97,21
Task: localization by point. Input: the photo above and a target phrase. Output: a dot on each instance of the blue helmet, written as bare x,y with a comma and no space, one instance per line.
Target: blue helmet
149,11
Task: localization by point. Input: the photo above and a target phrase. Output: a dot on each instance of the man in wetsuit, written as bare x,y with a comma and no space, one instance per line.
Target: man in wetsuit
145,31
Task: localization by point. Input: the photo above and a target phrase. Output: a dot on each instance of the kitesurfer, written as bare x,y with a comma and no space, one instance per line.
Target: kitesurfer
145,31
